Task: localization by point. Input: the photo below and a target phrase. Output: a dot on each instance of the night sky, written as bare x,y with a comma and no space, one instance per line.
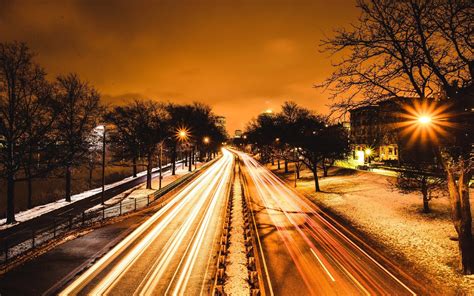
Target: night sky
241,57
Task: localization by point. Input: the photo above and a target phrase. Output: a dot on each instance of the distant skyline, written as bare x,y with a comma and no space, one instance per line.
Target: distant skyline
240,57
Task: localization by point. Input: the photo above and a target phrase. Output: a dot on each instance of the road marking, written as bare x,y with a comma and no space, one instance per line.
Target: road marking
320,262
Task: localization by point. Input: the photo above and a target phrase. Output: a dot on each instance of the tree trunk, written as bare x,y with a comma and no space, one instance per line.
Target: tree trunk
461,215
91,171
173,160
29,189
316,179
325,170
190,166
273,161
68,183
10,198
134,165
424,191
29,181
286,166
426,205
279,163
298,166
185,158
148,170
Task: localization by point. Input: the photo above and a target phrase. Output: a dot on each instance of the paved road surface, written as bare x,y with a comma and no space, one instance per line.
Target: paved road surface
304,253
174,251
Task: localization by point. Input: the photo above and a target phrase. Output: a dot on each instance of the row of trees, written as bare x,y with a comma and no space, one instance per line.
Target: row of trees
298,135
143,129
52,127
422,49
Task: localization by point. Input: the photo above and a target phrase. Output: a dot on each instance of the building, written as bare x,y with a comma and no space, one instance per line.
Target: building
238,134
374,131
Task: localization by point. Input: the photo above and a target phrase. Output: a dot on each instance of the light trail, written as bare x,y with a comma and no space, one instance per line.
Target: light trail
304,231
205,195
322,264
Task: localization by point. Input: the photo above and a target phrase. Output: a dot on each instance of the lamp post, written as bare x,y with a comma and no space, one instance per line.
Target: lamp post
103,165
182,134
368,152
206,141
160,163
296,163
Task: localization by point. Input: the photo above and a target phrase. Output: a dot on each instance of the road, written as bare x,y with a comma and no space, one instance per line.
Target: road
303,252
174,251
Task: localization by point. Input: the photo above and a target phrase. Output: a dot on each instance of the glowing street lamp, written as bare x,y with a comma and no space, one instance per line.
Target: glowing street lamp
424,119
182,134
206,141
368,152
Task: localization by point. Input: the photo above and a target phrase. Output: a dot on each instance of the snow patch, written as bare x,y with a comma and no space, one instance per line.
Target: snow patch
236,271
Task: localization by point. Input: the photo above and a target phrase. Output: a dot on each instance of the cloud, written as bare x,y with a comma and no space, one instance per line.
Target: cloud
234,55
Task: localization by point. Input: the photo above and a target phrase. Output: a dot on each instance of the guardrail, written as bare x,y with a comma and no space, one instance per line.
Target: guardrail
15,245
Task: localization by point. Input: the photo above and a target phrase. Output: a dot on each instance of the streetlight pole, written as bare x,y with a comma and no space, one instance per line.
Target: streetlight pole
103,166
161,168
296,164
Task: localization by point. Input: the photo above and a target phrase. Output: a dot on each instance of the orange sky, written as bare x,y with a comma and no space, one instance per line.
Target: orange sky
241,57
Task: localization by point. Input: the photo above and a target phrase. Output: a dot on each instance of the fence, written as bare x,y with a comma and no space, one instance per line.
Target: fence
19,243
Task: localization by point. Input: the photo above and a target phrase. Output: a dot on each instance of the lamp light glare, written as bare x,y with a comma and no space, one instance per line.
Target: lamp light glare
424,119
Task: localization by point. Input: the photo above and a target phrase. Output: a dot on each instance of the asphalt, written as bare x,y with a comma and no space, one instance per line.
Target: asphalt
304,253
45,274
174,251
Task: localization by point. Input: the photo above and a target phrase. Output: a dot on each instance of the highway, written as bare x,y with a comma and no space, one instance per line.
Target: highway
174,252
303,252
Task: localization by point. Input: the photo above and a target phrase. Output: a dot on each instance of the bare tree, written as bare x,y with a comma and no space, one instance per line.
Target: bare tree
124,137
94,153
423,49
152,131
24,114
80,114
139,128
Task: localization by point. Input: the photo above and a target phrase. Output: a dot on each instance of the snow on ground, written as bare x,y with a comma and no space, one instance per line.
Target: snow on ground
43,209
140,191
134,198
395,221
236,269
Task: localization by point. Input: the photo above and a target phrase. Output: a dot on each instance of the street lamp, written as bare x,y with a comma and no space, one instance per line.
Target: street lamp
368,152
182,134
206,141
161,163
102,195
424,119
296,164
